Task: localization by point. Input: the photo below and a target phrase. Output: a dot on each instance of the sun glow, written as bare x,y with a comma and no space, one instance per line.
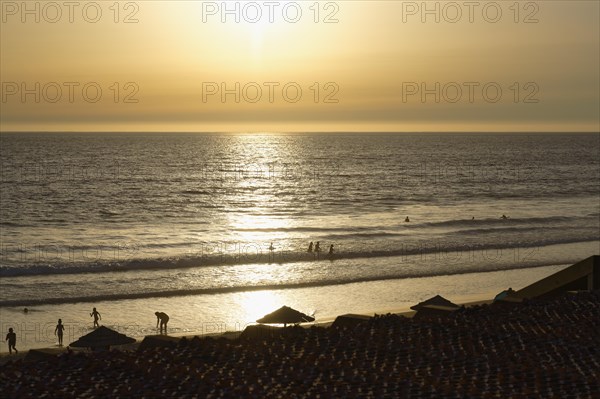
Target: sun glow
258,303
368,49
255,28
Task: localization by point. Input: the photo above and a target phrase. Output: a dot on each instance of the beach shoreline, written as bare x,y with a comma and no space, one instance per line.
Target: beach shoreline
205,315
505,349
5,357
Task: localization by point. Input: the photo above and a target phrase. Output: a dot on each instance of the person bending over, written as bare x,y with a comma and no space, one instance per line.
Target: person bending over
163,319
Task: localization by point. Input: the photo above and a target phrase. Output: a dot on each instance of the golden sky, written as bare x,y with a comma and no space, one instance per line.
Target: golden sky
340,66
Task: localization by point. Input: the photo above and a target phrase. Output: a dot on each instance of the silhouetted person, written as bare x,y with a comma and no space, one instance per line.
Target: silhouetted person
58,331
25,310
96,316
407,219
503,217
163,319
473,218
11,337
318,249
331,251
310,247
271,254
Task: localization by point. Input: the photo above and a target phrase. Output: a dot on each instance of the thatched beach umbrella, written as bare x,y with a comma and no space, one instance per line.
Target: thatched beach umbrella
102,337
285,315
435,301
504,294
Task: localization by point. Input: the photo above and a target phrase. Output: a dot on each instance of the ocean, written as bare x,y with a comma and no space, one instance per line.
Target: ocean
214,228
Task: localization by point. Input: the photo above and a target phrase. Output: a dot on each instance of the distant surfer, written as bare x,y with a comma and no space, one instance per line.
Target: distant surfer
310,247
96,315
407,219
504,217
318,247
163,319
331,251
271,248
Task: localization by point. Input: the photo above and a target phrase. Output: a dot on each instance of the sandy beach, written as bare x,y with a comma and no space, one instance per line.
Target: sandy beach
542,348
538,341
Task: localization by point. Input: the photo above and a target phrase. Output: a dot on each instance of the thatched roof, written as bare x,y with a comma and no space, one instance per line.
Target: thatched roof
102,337
285,315
436,301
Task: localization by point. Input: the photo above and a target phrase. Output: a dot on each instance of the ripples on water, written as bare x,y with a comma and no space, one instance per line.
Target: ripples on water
79,203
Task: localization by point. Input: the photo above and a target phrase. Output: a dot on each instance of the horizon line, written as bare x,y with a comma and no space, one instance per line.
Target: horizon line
298,132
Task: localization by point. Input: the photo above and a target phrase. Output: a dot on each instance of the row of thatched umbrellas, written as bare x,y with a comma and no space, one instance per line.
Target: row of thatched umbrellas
104,337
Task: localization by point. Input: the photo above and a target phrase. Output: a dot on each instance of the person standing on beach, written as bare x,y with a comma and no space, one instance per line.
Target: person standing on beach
11,337
310,247
58,331
96,316
163,318
331,251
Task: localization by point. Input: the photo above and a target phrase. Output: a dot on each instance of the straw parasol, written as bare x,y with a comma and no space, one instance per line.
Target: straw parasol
102,337
504,294
285,315
435,301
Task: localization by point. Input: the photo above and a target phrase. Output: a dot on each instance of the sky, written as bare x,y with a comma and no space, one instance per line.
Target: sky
300,66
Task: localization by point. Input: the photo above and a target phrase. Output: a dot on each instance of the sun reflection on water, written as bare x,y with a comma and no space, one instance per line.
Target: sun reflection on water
258,303
261,234
262,238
